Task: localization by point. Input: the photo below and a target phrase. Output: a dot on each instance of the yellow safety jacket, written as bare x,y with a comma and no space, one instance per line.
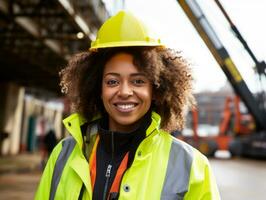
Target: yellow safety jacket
163,168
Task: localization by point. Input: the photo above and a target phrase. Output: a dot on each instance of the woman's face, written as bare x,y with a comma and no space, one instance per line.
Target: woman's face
126,93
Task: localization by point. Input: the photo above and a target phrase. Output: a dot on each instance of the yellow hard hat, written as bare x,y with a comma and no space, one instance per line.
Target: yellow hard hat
123,30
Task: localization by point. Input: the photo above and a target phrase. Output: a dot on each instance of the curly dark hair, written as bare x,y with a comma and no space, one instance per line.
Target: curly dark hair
169,73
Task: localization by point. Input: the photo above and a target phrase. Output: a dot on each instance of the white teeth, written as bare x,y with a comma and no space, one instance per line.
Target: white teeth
125,106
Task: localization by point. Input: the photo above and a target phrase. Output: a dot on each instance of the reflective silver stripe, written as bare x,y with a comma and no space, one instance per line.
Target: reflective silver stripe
178,171
67,147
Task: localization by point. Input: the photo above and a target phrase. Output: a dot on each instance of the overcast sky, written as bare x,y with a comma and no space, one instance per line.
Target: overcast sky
167,18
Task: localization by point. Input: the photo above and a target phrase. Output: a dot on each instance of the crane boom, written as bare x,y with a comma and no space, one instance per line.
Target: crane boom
209,36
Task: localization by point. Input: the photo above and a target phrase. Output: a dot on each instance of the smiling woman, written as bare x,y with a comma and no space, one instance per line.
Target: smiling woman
164,70
127,92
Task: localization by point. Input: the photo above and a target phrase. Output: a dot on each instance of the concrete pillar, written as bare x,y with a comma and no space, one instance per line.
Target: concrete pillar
58,123
12,117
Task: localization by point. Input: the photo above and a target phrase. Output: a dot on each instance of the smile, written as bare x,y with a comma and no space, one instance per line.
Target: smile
125,107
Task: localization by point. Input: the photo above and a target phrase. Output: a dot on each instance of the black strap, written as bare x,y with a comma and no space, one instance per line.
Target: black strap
81,192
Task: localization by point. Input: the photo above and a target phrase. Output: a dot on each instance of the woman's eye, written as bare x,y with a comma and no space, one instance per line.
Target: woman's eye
111,82
138,82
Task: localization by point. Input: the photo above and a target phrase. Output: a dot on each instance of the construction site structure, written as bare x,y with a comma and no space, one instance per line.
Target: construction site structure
249,139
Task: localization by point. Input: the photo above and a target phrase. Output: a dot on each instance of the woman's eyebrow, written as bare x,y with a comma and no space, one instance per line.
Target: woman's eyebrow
137,74
117,74
112,74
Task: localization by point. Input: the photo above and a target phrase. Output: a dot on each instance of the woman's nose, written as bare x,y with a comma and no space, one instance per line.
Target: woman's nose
125,90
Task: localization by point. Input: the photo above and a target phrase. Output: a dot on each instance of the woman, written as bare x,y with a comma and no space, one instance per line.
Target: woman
129,92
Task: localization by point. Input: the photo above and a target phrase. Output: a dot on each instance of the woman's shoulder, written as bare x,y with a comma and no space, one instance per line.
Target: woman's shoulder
182,148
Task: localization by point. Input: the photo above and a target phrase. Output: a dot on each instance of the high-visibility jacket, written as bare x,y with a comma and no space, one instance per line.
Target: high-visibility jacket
163,168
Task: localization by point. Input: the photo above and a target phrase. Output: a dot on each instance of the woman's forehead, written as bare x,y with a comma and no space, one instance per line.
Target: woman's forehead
121,62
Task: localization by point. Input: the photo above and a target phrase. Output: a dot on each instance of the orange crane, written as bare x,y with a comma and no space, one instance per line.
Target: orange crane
233,123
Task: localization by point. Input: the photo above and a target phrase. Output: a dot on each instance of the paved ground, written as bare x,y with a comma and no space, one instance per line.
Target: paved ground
19,176
17,186
238,179
20,163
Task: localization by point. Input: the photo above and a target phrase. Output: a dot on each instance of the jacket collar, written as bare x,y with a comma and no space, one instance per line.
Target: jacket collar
72,124
75,121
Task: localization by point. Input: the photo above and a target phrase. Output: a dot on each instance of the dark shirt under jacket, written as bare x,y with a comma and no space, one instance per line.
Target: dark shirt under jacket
112,148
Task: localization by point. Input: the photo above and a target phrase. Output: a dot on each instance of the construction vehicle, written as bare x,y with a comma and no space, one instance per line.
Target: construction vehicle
233,123
233,120
252,143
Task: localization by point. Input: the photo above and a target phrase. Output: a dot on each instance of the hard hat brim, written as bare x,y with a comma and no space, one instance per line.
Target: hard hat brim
126,44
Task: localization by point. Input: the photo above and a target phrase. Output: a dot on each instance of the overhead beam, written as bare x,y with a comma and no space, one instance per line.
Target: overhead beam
38,15
31,27
77,19
54,36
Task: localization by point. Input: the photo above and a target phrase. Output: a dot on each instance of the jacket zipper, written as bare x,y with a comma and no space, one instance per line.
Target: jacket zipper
109,168
107,176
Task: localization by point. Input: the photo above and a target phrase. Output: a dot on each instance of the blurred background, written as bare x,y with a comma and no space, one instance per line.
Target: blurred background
223,40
